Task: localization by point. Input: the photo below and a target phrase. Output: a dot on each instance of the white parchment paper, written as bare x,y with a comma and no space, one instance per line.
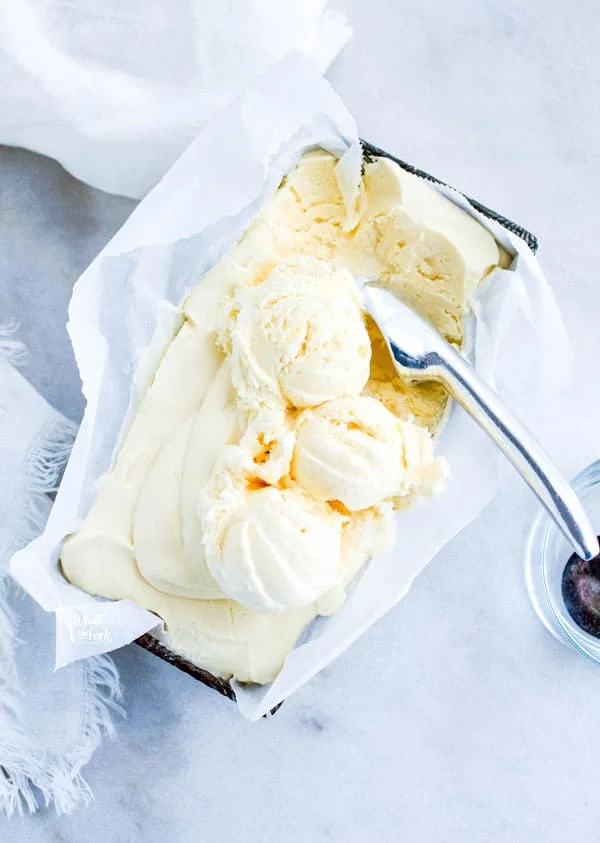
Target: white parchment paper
124,310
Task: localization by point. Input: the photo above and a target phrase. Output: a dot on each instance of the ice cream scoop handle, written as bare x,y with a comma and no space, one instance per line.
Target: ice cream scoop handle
520,447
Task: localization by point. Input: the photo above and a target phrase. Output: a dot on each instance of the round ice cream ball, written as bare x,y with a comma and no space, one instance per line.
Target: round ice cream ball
278,549
300,336
353,450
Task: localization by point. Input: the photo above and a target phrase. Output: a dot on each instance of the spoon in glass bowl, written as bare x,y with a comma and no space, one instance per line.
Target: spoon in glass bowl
421,353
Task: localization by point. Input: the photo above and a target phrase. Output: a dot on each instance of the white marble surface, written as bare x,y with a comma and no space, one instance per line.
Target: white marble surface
458,718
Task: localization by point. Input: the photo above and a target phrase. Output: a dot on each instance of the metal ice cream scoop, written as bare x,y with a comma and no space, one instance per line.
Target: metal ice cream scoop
421,353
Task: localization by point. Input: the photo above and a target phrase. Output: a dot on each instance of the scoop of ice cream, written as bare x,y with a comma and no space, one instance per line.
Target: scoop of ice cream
298,338
353,450
275,549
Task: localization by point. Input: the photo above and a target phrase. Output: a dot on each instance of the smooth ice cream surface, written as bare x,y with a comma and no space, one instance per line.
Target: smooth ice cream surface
272,450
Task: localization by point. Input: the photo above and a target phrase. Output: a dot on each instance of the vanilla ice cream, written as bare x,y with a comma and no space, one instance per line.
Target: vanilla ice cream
299,337
275,445
276,549
268,544
355,451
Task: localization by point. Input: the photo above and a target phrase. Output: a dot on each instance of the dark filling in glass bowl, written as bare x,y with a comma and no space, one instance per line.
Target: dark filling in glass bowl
581,592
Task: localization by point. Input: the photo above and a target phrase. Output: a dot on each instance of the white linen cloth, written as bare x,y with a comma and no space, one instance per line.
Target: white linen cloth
114,91
50,722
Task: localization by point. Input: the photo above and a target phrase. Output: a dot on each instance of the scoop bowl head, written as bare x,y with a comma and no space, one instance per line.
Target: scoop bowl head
415,345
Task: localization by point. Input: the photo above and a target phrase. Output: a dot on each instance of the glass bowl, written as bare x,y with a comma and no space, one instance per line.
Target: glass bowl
546,554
